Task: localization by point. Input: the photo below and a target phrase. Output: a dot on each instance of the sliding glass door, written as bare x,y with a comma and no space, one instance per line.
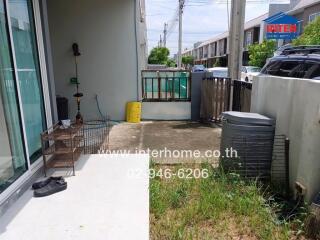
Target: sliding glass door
12,158
28,70
22,111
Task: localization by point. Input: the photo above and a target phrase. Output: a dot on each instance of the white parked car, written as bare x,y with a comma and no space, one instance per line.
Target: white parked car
247,73
221,72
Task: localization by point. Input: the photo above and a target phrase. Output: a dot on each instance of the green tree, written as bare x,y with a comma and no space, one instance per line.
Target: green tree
187,60
311,34
259,53
159,55
171,63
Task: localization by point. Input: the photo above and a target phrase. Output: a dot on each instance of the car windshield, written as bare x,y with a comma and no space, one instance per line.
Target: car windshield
253,69
199,67
220,73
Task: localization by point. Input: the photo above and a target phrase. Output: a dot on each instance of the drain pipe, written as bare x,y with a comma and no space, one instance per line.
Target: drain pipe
137,45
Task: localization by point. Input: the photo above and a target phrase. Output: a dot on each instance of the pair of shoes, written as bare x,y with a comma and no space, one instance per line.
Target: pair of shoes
45,182
49,186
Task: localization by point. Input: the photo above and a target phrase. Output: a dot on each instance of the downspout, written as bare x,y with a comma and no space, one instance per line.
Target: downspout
137,45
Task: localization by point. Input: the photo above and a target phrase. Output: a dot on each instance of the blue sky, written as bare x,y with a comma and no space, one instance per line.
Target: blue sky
202,19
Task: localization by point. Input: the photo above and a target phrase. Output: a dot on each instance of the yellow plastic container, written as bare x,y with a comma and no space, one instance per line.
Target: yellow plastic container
133,110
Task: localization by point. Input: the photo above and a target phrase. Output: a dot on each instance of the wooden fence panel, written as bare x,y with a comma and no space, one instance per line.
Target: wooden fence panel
241,96
215,93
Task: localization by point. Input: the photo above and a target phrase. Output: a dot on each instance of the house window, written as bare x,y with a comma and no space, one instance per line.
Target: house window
299,27
205,54
313,16
248,38
213,53
221,47
225,45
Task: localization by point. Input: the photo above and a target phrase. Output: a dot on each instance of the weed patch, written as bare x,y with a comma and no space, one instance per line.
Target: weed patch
221,206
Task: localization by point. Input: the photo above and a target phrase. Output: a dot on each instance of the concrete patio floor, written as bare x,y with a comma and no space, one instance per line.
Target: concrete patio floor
102,202
173,135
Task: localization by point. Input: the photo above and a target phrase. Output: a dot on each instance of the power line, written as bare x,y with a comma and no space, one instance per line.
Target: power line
188,33
172,41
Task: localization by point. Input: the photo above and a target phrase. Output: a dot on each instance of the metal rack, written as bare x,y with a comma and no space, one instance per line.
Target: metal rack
96,136
62,147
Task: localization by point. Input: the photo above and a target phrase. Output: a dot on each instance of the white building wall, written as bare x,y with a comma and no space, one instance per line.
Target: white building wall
295,104
105,32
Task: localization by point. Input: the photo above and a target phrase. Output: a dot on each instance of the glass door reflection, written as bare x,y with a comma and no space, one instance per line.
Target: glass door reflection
28,68
12,159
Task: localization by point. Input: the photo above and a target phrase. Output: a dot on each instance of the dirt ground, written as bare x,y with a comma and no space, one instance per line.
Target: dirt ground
174,138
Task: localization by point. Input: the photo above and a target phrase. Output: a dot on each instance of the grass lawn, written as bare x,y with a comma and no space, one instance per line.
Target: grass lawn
217,207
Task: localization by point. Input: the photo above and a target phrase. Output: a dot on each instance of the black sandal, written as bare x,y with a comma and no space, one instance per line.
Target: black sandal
52,187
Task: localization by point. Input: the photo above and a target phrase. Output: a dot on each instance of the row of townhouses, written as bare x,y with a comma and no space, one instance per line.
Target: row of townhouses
216,48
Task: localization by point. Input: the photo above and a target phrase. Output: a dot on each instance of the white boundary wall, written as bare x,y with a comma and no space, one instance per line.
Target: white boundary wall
295,104
166,110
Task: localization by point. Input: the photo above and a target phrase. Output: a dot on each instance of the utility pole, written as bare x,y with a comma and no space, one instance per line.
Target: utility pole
236,36
165,34
160,40
181,5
